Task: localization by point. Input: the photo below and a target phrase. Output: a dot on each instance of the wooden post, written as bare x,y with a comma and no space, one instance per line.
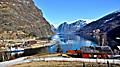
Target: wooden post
83,64
108,63
8,55
3,57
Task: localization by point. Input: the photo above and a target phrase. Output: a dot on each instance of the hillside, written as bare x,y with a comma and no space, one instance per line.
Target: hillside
20,19
109,24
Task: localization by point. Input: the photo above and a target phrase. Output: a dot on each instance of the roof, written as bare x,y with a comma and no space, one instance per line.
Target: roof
97,49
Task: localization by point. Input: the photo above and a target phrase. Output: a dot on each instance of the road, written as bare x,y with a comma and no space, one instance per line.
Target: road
24,60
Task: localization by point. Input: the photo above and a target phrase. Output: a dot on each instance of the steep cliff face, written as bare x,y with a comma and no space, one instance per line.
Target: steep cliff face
71,28
23,16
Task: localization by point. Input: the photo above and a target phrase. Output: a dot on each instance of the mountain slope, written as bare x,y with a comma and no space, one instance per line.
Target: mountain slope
108,24
22,16
70,28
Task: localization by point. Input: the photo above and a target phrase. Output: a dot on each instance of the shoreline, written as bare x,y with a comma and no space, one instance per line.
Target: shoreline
56,59
31,50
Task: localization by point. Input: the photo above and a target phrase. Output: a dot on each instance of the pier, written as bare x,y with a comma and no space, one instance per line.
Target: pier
24,49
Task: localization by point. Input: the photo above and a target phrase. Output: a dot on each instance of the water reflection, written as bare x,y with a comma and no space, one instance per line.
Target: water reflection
69,42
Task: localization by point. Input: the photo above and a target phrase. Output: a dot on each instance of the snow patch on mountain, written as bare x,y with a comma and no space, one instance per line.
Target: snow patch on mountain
56,25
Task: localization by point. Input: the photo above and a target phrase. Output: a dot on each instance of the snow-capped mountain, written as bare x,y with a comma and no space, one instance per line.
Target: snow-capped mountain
70,28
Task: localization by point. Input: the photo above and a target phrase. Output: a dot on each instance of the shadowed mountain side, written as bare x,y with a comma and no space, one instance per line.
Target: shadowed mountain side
108,25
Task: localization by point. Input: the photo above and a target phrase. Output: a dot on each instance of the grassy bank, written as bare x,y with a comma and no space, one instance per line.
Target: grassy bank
63,64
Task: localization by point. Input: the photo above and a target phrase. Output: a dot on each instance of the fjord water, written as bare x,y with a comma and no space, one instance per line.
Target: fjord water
69,42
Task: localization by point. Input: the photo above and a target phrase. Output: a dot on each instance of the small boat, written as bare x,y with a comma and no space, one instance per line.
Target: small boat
16,49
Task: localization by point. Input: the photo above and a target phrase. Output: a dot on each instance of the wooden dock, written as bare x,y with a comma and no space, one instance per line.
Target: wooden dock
36,48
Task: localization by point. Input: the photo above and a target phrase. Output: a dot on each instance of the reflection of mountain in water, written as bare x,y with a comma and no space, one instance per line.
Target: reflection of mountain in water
69,42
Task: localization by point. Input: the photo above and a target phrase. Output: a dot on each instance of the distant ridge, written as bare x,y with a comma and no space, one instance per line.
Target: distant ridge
71,28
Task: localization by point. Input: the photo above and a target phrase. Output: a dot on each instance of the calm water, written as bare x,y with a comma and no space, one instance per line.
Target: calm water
69,42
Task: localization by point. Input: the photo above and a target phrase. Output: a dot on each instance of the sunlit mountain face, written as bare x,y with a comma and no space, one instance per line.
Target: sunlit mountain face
22,16
70,28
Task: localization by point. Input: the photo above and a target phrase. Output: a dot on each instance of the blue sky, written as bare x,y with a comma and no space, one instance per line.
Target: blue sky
58,11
